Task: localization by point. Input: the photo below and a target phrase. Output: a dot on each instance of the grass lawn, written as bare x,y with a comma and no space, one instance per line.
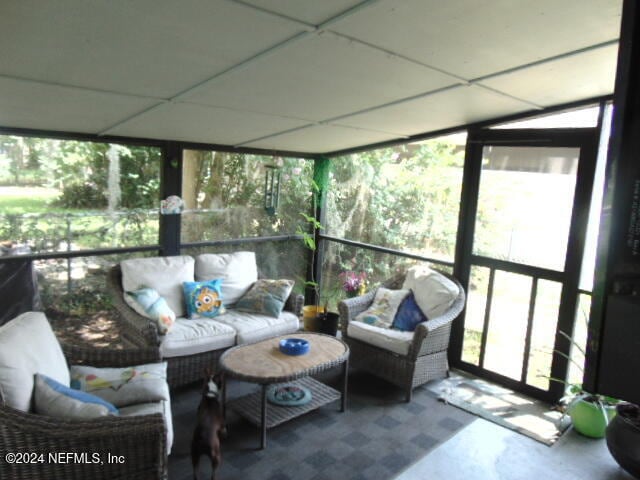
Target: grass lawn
18,200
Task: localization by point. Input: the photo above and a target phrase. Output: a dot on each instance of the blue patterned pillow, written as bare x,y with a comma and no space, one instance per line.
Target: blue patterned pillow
57,400
204,299
266,297
409,315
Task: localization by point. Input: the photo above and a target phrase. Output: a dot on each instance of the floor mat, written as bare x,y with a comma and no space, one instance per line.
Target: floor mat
376,438
501,406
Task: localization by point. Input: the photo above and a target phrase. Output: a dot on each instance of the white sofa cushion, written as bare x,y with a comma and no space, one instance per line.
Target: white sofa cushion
198,335
392,340
237,270
28,346
434,293
252,327
164,274
163,407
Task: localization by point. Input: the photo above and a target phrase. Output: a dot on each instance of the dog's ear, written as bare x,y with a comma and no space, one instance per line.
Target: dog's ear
207,372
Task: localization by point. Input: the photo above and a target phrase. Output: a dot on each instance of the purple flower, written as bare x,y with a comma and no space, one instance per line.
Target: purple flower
352,282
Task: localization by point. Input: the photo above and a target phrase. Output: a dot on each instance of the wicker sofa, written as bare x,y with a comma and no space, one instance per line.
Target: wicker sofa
186,365
141,440
424,356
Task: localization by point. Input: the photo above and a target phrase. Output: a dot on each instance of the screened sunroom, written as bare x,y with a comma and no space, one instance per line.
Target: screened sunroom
492,140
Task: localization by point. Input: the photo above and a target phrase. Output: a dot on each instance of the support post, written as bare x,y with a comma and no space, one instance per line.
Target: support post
321,171
611,357
171,184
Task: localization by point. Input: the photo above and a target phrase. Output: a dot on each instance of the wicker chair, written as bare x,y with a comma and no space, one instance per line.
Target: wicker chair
142,331
427,356
140,440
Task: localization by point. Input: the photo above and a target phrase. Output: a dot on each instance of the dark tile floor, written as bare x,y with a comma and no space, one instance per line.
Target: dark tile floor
378,436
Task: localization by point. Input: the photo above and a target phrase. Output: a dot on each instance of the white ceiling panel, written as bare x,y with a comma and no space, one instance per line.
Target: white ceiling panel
194,123
586,75
236,71
457,106
314,12
146,47
32,105
473,38
321,138
319,78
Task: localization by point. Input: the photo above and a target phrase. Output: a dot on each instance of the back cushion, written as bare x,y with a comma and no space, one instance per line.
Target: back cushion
164,274
237,270
434,293
28,346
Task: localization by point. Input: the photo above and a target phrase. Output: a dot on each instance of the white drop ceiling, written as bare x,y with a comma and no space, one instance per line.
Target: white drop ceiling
311,76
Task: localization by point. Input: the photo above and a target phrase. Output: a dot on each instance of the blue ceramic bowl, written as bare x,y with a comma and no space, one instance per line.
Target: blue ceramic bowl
294,346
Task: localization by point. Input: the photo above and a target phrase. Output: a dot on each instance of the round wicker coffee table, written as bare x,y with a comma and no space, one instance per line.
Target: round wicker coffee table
265,364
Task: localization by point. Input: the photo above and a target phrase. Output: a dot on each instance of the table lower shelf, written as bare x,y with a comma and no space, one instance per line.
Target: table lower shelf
250,406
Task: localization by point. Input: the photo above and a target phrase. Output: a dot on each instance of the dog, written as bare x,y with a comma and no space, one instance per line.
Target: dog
210,427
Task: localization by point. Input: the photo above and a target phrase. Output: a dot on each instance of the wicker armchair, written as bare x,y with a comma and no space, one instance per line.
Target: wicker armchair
142,331
427,356
140,440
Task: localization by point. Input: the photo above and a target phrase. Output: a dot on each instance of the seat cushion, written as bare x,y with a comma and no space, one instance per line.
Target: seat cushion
163,407
252,327
164,274
434,292
237,270
28,346
198,335
392,340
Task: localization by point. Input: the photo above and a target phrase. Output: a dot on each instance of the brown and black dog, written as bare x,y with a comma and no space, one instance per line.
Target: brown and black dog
210,427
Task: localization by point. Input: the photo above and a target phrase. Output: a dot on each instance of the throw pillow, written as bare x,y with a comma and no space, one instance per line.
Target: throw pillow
409,315
56,400
266,297
383,308
434,292
155,307
123,386
204,299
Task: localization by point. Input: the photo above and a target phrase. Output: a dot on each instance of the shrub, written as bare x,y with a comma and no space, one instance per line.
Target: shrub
86,195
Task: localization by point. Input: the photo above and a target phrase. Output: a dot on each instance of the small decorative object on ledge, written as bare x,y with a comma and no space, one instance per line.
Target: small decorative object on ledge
271,188
172,205
294,346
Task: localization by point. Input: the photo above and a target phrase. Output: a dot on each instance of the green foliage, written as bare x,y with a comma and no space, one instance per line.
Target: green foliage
404,197
80,170
85,195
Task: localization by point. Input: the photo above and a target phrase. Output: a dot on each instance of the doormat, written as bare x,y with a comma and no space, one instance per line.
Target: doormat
502,406
377,437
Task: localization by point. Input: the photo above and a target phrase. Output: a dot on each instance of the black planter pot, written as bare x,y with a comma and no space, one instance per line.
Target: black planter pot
328,323
623,438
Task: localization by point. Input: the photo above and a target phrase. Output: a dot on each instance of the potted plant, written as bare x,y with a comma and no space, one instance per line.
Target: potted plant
312,315
590,413
623,438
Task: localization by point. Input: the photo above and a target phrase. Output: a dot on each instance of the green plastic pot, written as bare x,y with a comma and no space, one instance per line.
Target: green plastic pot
587,418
